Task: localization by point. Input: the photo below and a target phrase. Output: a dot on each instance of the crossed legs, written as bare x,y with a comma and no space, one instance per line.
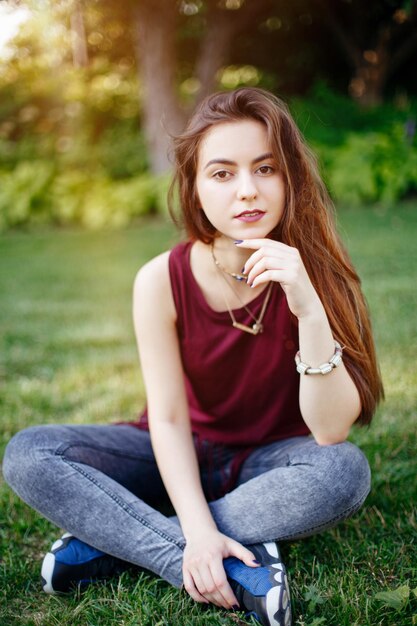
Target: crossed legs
101,483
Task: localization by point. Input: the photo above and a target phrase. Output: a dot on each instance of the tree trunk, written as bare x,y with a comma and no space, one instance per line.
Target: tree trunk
222,27
78,38
155,26
213,53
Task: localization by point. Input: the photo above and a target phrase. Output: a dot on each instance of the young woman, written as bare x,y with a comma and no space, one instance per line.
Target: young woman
257,357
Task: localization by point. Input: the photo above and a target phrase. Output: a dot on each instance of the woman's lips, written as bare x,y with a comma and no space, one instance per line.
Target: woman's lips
250,216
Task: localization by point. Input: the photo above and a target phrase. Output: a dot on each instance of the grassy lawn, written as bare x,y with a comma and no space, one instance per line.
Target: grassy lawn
68,354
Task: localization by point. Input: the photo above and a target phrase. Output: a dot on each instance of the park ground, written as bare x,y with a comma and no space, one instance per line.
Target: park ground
68,355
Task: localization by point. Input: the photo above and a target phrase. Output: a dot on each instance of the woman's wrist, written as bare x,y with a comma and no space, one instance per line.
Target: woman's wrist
313,315
316,341
196,530
198,521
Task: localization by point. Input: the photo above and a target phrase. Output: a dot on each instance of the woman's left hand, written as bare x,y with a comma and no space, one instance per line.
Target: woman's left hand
275,261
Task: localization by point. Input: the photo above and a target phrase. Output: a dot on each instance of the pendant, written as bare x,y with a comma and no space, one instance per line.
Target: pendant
252,330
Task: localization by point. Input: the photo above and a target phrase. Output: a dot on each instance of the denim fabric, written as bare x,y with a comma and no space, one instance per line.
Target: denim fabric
102,484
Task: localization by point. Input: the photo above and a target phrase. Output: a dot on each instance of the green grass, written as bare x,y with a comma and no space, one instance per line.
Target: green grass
68,354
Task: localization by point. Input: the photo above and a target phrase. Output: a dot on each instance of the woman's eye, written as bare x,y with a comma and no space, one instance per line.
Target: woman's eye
266,169
221,175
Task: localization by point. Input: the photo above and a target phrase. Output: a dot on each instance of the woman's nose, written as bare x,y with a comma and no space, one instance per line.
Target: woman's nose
246,188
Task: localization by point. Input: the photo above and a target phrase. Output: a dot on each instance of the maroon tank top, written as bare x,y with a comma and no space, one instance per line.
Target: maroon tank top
242,389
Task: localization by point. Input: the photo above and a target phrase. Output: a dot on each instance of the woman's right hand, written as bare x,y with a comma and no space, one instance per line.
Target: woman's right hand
204,576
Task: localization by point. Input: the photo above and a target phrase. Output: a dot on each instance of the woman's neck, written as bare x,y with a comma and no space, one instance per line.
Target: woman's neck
229,255
214,282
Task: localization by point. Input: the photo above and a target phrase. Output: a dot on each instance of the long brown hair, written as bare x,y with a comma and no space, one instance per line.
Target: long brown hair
307,223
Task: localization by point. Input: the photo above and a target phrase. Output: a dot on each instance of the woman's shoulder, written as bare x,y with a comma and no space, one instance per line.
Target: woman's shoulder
154,274
151,289
158,267
153,281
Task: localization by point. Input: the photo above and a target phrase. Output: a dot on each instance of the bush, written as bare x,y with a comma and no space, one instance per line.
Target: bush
349,173
12,153
24,194
328,118
114,204
373,167
67,194
121,151
366,156
35,194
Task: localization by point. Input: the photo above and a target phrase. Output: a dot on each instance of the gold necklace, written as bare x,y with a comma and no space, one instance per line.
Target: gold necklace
235,275
257,326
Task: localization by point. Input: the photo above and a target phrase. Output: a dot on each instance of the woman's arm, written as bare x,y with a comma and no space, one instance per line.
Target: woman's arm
169,423
329,404
154,319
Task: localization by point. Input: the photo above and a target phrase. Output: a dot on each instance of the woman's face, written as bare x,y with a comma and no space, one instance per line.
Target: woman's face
238,181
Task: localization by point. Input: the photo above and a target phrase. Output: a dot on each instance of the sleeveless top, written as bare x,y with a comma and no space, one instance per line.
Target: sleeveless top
242,389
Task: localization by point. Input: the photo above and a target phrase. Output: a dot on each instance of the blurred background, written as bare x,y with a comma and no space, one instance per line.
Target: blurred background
89,92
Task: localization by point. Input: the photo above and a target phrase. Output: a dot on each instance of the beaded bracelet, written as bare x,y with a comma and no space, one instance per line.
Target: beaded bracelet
324,368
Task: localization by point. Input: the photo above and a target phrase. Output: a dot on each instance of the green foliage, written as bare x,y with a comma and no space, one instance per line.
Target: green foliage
313,597
115,204
35,194
27,148
327,117
395,598
317,621
24,194
68,192
85,124
373,167
77,117
366,155
121,151
72,147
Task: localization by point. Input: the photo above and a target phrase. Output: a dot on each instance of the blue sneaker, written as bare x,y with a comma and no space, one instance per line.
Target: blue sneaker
261,591
71,563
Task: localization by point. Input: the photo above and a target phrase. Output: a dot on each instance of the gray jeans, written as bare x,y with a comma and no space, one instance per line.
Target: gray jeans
102,484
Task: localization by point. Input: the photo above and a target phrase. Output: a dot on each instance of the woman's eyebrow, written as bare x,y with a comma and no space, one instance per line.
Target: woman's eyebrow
263,157
221,161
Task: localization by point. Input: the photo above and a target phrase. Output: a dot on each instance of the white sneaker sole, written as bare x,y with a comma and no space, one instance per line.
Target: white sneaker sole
278,597
48,566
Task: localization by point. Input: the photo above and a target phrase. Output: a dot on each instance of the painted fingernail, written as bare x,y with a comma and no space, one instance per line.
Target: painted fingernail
238,241
235,607
256,561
